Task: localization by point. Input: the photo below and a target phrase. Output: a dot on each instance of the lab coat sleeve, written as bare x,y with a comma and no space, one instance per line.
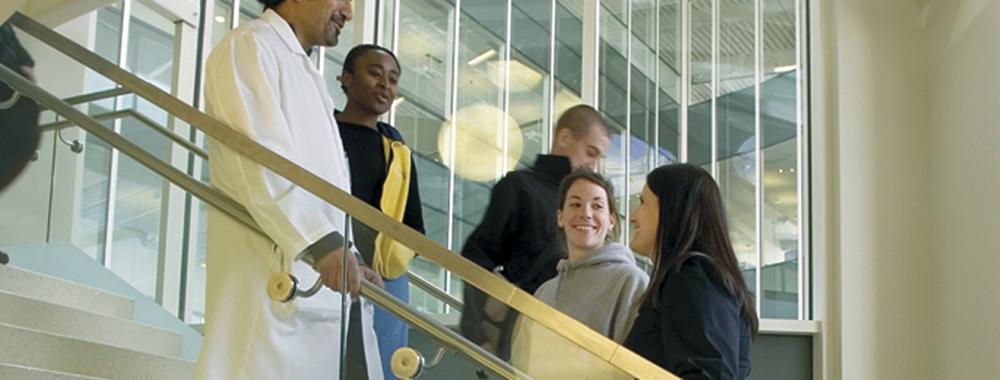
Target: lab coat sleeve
243,91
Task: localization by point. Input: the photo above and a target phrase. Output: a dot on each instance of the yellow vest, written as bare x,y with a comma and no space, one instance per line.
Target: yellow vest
391,258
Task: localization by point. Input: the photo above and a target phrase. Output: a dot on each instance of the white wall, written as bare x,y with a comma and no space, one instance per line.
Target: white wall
882,195
8,8
905,132
964,183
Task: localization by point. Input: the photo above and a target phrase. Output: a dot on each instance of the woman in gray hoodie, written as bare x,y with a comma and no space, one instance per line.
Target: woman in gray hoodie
598,283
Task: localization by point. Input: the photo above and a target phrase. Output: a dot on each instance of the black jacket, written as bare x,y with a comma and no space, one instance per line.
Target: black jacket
366,160
19,133
519,226
698,331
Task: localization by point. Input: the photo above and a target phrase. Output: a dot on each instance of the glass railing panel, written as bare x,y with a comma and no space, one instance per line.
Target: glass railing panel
55,224
86,185
532,347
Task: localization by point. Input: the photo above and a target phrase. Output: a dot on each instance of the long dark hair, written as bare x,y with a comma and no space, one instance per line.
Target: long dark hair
693,219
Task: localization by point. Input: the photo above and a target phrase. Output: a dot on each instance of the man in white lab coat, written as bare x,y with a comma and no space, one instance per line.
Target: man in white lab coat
260,81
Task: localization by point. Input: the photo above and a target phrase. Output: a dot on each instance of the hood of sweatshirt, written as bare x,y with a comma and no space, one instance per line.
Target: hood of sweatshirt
609,253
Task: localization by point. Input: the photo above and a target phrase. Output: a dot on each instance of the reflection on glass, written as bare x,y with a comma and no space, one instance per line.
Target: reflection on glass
479,120
91,228
333,64
421,130
642,96
736,131
423,30
568,49
613,92
92,225
419,299
454,366
542,353
529,77
222,21
779,121
136,234
639,92
194,309
332,67
419,113
669,82
250,10
700,88
612,61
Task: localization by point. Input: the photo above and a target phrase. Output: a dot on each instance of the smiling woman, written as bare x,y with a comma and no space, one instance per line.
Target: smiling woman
596,272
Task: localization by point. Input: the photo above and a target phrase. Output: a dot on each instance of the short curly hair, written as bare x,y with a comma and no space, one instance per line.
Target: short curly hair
270,3
360,50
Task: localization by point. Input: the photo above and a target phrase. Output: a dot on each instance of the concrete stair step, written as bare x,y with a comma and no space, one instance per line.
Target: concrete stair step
11,371
39,349
61,292
35,314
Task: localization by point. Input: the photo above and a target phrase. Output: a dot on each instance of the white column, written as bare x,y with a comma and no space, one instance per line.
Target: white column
365,15
963,181
872,236
591,52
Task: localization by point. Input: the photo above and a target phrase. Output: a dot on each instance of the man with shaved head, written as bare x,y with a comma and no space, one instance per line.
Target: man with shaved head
517,237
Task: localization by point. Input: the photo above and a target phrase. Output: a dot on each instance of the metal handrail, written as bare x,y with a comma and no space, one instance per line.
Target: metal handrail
145,120
442,334
445,336
415,279
435,291
491,284
202,191
92,97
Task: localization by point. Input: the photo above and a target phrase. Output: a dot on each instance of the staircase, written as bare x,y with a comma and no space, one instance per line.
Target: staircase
53,329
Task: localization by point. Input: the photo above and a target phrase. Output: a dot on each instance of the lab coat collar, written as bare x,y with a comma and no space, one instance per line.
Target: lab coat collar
284,30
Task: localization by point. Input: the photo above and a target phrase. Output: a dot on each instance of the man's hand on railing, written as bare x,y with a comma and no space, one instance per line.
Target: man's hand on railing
371,276
331,272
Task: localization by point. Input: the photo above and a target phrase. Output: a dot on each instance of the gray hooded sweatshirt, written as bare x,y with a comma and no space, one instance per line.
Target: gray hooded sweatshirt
600,290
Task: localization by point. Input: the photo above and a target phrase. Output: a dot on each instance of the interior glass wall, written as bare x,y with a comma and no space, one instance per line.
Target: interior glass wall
677,82
714,83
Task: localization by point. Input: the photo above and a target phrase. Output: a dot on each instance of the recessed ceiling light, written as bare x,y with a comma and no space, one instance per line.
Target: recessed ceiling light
785,69
482,57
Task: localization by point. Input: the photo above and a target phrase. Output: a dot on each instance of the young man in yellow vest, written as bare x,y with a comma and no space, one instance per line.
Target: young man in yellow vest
382,174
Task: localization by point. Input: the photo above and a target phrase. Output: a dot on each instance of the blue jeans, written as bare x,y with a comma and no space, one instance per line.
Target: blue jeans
392,333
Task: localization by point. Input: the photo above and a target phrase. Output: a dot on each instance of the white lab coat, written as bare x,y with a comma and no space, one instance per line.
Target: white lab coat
260,82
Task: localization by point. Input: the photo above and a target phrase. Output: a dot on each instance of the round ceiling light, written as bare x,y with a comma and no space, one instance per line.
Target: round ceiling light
479,142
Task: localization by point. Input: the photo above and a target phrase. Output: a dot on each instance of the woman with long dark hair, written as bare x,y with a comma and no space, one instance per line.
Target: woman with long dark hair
697,316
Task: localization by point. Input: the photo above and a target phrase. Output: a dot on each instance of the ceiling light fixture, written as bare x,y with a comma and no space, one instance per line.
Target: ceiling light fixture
482,57
785,69
220,19
398,101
